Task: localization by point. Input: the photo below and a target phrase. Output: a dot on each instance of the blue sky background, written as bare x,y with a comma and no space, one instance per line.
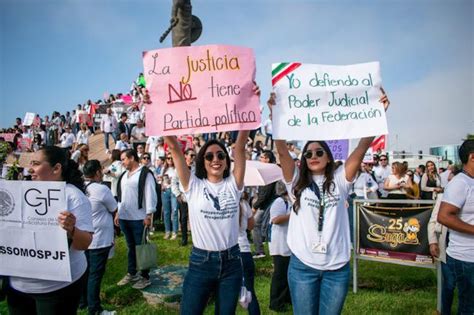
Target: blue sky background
56,54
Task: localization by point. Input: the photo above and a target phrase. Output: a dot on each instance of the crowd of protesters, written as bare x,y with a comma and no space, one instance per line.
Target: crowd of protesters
163,180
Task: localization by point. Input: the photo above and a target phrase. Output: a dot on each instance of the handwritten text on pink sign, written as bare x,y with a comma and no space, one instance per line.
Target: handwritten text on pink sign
200,89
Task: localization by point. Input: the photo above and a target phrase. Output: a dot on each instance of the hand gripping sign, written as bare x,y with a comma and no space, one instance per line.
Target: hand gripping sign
32,244
327,102
200,89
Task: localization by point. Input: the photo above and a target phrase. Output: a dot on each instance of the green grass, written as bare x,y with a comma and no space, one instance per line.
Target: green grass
383,288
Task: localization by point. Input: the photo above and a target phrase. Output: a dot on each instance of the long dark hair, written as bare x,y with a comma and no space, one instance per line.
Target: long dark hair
305,176
201,169
70,172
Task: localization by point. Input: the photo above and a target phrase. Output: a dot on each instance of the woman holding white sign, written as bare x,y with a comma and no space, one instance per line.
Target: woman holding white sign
36,296
318,231
213,194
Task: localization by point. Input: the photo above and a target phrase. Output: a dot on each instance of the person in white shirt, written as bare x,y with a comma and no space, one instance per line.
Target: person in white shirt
83,135
318,231
457,213
267,126
213,194
27,295
123,144
381,172
151,144
108,125
136,192
67,139
279,250
137,135
103,206
247,223
114,170
169,199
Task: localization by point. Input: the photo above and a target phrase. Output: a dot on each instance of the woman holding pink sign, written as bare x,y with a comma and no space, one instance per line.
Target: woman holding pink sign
213,193
318,231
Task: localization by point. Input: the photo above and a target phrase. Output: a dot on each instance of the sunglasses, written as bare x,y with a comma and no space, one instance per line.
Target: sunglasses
309,154
146,157
383,159
169,158
209,156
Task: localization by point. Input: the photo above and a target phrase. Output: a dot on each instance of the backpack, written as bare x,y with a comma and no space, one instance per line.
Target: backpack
266,228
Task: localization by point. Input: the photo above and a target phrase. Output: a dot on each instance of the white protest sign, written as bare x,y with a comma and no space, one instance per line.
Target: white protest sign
29,119
32,244
327,102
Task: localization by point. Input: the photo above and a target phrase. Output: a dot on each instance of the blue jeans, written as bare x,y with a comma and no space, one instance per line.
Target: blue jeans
461,274
316,291
218,272
96,260
170,210
106,138
133,231
249,275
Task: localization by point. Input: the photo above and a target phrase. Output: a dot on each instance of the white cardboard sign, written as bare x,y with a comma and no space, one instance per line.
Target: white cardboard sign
32,244
326,102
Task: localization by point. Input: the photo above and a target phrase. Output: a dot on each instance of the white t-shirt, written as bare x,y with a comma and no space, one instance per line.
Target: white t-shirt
381,173
268,126
103,204
122,146
79,205
152,142
213,212
364,185
117,168
303,227
83,137
128,206
246,213
393,180
138,134
460,193
279,232
67,140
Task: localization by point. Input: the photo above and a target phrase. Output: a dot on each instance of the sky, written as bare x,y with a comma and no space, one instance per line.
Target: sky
55,54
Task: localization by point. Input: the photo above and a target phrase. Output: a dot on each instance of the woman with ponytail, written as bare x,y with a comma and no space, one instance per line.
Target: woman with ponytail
318,230
36,296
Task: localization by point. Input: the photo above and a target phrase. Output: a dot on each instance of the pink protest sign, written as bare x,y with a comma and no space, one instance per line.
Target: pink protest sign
9,137
200,89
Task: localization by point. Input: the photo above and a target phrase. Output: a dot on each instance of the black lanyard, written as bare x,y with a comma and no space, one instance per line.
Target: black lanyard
315,189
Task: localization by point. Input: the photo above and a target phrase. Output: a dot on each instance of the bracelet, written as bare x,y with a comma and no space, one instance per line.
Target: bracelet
71,234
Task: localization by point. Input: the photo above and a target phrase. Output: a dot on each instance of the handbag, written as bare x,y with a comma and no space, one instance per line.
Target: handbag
146,253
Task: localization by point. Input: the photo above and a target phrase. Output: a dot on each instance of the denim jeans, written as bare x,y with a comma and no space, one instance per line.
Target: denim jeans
316,291
106,138
133,231
249,275
212,272
461,274
170,210
96,261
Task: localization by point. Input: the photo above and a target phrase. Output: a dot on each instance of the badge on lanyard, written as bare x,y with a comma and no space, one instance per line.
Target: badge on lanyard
319,247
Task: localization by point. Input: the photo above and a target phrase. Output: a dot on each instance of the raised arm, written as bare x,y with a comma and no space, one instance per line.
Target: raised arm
353,161
239,150
286,161
239,157
179,162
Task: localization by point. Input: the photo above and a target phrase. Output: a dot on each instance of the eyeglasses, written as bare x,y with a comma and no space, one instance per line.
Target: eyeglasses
209,156
309,154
